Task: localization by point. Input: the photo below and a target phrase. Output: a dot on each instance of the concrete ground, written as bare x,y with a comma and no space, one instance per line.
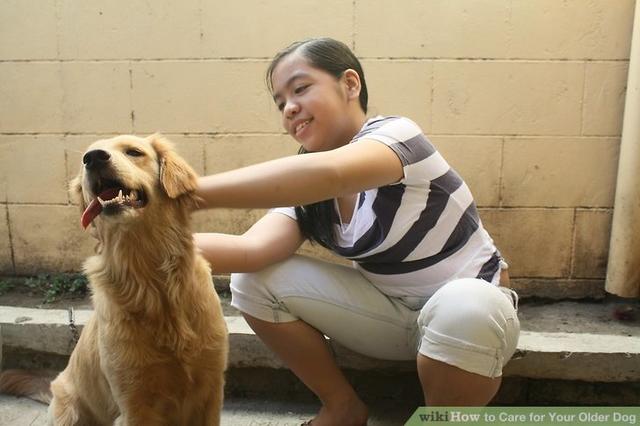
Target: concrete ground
236,412
25,412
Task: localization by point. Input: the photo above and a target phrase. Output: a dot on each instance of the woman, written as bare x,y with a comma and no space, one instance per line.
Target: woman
425,285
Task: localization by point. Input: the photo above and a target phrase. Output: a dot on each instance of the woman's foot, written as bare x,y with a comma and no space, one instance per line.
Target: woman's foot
352,412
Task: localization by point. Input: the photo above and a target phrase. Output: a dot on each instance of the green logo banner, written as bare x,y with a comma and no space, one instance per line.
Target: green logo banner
567,416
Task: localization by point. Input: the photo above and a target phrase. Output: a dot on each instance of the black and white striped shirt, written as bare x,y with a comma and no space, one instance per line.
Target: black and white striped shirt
414,236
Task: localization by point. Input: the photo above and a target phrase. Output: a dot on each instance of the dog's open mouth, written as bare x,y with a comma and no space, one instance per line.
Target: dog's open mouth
112,198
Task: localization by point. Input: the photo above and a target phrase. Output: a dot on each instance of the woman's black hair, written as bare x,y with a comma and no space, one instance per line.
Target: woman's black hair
316,220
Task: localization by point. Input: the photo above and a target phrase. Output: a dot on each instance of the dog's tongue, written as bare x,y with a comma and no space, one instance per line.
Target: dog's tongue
94,208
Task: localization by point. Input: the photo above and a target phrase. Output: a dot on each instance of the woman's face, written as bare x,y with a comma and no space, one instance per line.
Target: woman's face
315,106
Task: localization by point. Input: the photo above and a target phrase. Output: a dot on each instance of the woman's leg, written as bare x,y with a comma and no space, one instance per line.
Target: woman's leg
288,303
304,350
446,385
470,330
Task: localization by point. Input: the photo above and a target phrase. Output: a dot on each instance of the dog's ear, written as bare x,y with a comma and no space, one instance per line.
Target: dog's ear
176,176
75,191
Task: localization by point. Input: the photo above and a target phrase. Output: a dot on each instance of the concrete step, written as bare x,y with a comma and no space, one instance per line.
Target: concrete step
571,353
568,341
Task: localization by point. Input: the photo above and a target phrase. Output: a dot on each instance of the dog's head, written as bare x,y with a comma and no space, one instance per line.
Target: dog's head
124,176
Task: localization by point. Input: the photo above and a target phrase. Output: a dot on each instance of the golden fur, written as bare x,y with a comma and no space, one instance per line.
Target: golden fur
155,349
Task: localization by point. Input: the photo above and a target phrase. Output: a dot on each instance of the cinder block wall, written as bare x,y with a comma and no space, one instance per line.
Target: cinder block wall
524,98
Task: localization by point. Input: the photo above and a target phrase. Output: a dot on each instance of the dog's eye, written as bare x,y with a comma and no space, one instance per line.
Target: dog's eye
134,153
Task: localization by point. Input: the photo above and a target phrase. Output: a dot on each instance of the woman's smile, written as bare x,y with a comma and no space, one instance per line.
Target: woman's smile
300,127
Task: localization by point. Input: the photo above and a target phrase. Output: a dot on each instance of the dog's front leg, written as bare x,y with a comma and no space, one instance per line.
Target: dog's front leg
212,412
141,412
213,407
143,415
140,416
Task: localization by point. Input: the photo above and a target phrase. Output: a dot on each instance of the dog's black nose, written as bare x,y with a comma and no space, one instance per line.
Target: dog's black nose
96,159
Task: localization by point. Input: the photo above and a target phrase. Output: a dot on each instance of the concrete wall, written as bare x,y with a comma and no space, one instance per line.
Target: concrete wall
523,97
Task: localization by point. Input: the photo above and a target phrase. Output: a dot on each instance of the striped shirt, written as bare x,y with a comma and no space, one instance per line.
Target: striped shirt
412,237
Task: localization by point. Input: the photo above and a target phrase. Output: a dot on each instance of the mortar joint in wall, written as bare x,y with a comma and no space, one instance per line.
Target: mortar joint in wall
11,250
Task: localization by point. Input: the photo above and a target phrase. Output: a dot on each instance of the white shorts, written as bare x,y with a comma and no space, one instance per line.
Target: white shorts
468,323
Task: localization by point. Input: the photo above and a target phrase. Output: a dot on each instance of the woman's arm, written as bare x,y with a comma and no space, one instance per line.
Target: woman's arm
271,239
303,179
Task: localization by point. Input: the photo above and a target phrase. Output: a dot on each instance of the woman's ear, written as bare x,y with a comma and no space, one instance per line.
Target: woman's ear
352,82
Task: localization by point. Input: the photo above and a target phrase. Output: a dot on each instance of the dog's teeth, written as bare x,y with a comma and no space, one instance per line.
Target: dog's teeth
134,195
101,201
120,195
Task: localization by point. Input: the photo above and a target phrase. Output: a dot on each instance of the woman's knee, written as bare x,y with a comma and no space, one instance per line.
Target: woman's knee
471,310
470,324
265,289
258,284
245,282
253,294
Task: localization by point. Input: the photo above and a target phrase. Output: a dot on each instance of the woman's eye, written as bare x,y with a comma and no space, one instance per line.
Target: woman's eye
134,153
300,89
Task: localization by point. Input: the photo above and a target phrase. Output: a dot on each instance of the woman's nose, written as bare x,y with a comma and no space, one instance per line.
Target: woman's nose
291,109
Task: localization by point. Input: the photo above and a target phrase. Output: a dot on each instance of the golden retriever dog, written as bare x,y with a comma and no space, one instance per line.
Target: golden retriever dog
155,349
